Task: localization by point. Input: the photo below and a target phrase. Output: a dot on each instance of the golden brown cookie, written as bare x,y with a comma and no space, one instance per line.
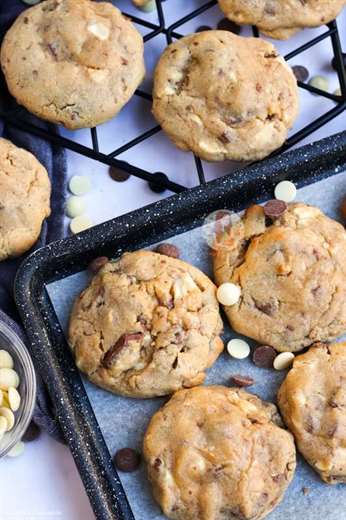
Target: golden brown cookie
218,453
281,18
78,62
146,326
224,97
292,275
312,400
24,199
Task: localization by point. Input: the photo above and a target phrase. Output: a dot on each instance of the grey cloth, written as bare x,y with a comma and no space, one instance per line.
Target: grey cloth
54,160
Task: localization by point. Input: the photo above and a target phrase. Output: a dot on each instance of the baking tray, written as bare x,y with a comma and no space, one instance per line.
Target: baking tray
48,279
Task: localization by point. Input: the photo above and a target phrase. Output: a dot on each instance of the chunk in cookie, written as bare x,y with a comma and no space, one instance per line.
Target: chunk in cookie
312,401
146,326
292,275
77,64
281,18
24,199
220,453
223,96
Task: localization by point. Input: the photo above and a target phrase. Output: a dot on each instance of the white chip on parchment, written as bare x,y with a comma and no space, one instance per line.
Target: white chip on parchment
17,450
285,191
75,206
238,348
6,360
283,360
13,399
79,185
80,223
228,293
8,377
9,416
3,426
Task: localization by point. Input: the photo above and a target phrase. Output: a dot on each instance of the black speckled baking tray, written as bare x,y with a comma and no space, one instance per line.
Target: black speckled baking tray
135,230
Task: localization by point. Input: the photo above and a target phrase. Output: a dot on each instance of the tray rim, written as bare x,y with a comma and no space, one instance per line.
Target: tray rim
56,364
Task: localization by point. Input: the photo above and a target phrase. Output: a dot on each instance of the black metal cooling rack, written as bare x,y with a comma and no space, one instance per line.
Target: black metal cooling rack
158,180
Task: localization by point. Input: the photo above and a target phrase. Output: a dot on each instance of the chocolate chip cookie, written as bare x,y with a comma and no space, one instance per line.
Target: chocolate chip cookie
292,274
280,19
77,64
146,326
312,400
223,96
220,453
24,199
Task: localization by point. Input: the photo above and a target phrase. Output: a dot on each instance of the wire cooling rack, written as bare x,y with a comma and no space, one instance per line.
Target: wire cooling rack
159,181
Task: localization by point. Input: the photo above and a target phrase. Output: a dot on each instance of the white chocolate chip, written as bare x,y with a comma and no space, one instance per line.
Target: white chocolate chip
183,285
196,119
17,450
228,293
13,399
283,360
80,223
8,377
3,426
97,75
1,397
9,416
6,360
238,348
285,191
99,30
75,206
79,185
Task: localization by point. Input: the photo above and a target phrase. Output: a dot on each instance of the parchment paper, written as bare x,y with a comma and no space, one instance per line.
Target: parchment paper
123,421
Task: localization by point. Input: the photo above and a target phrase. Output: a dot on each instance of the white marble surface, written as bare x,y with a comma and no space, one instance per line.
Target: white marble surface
44,484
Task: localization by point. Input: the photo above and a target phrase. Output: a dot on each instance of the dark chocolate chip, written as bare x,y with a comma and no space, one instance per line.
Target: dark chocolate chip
159,176
203,28
301,73
343,61
122,342
32,433
264,356
118,175
168,250
228,25
274,208
127,460
239,380
97,263
343,209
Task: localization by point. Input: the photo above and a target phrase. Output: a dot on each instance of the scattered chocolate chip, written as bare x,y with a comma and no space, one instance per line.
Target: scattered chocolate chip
168,250
228,25
306,490
343,209
127,460
118,175
32,433
97,263
158,176
301,73
274,208
239,380
203,28
343,60
122,342
264,356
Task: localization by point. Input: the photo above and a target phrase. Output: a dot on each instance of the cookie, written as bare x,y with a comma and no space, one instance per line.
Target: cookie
220,453
292,275
24,199
312,401
223,96
78,64
280,19
146,326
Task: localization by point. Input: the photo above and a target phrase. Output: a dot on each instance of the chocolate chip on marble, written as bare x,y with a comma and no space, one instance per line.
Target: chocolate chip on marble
242,381
264,356
274,208
228,25
32,433
118,175
301,73
97,263
168,250
127,460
